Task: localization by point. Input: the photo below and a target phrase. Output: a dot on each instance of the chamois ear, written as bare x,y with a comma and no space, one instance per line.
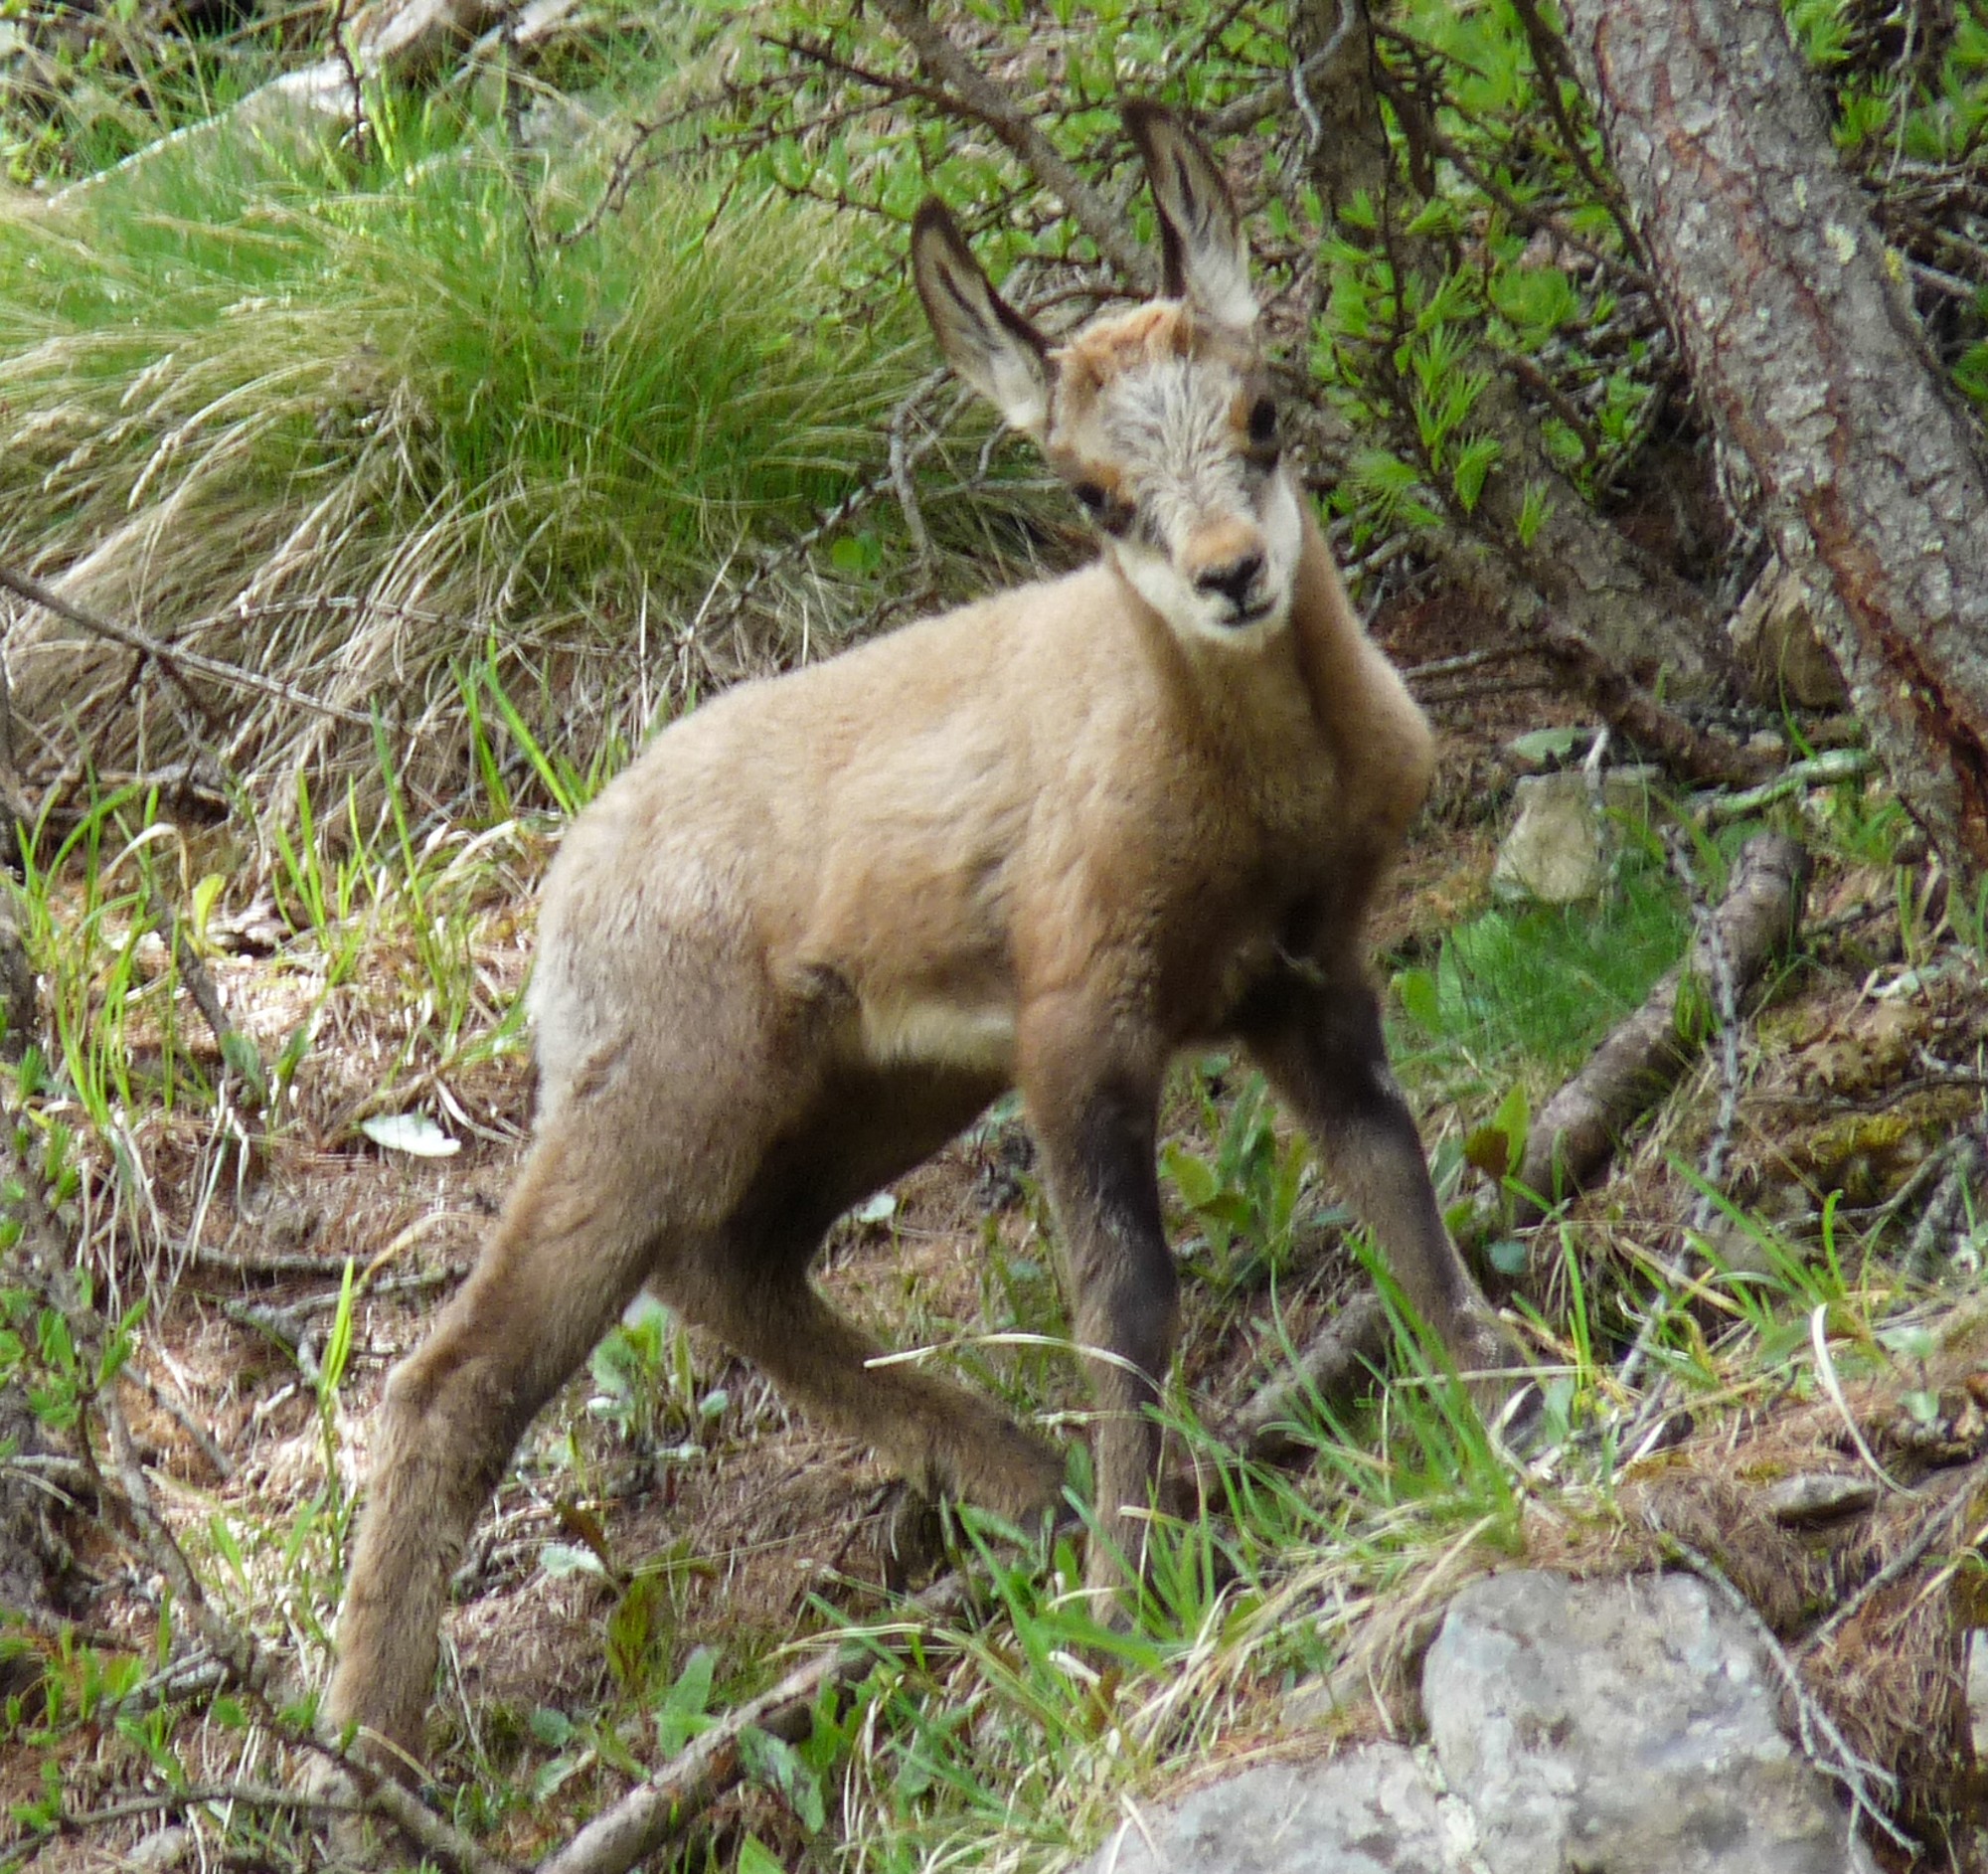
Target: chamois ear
1205,259
997,351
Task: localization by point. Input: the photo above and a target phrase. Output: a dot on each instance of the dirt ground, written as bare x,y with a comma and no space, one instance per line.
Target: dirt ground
760,1524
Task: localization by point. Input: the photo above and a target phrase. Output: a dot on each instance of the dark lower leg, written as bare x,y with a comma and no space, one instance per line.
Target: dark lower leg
940,1437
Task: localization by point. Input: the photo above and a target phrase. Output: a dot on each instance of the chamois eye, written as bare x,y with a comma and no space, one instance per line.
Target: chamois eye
1092,496
1262,422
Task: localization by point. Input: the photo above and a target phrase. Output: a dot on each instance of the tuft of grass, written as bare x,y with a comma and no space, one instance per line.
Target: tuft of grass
339,424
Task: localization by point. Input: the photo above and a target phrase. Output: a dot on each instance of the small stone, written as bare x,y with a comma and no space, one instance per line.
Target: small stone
1817,1497
160,1851
1773,637
1564,835
1977,1692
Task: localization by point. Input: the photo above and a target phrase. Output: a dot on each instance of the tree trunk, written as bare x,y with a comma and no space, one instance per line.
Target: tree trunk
1811,363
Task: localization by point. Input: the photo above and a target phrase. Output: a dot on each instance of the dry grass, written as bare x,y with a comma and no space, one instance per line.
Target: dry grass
367,433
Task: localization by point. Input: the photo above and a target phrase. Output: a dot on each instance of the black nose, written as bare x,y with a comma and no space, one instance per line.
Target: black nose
1233,580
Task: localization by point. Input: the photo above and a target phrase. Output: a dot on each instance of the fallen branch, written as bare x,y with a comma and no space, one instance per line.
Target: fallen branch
660,1809
402,44
1821,771
1331,1369
1631,710
1577,1133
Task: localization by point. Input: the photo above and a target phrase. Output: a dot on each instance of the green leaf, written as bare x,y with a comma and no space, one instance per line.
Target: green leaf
1421,999
1508,1255
566,1558
856,554
632,1629
776,1764
1194,1178
240,1054
338,1344
201,903
753,1858
1549,745
1533,511
231,1549
1514,1118
1473,463
1487,1149
549,1727
682,1714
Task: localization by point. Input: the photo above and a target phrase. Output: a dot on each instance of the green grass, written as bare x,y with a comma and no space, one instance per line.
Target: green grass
1525,992
356,426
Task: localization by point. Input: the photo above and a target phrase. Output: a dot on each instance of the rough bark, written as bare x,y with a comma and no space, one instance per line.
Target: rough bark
1579,569
1808,357
1579,1128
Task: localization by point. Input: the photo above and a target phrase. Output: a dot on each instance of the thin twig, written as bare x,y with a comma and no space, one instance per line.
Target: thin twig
1246,111
183,1415
1487,686
1821,771
900,481
238,1055
1856,1773
978,98
1898,1567
341,52
175,662
660,1808
1469,661
255,1796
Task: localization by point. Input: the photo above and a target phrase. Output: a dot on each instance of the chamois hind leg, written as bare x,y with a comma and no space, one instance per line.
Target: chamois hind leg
939,1436
576,1236
1321,1047
751,1288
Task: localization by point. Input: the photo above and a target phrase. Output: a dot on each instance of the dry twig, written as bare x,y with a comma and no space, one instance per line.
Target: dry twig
177,663
976,97
658,1811
1832,1755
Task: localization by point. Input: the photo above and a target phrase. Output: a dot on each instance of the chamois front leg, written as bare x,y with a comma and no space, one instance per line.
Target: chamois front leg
1319,1042
1095,1121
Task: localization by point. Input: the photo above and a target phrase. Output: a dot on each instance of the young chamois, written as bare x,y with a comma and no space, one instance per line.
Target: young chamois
1045,841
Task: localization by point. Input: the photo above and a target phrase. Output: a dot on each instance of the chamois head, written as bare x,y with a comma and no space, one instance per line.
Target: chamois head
1161,419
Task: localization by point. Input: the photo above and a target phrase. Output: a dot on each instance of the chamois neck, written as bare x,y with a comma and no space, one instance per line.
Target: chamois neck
1334,659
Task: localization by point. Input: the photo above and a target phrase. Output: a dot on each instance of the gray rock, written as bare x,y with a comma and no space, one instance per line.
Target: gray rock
1563,835
1622,1726
1817,1497
1369,1811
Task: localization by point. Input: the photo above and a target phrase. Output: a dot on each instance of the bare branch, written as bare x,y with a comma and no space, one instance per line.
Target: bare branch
174,661
977,96
1576,1132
